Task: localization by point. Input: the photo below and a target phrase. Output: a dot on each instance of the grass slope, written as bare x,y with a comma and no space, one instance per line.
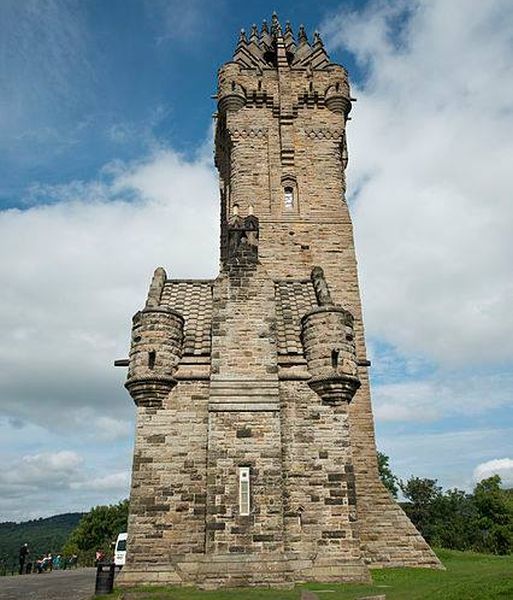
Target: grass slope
469,576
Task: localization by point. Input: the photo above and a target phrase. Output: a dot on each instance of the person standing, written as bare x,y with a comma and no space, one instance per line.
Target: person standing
24,552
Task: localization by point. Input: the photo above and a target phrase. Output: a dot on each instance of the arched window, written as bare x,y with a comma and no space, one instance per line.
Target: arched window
290,202
289,197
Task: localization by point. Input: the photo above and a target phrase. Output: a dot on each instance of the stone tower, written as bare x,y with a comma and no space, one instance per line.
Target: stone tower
255,461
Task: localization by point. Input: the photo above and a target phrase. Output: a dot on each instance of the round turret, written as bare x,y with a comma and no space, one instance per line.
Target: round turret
156,350
337,98
231,95
328,340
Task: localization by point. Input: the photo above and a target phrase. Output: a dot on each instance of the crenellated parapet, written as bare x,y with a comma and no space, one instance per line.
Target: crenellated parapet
156,348
242,240
249,79
327,334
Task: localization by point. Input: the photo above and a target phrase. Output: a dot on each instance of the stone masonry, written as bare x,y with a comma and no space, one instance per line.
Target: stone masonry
255,460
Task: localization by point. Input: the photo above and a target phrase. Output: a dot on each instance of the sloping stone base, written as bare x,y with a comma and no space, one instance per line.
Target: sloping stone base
210,572
388,537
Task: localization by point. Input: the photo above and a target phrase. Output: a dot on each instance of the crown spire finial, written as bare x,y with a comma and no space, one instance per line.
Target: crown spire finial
301,36
265,36
288,36
275,24
254,34
317,42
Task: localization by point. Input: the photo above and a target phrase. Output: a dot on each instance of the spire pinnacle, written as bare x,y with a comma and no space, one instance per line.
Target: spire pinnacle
301,36
254,34
265,36
317,42
273,46
288,36
275,24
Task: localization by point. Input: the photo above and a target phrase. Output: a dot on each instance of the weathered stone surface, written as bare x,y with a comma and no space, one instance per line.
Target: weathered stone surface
265,365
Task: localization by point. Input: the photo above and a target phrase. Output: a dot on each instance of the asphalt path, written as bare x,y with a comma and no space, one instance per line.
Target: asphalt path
73,584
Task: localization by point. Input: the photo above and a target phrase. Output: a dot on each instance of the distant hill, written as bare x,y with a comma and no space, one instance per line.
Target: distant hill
42,536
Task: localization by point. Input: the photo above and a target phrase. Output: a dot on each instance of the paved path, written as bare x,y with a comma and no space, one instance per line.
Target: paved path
74,584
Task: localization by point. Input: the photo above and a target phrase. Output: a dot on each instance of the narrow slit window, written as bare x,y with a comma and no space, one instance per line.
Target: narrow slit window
289,198
244,504
152,355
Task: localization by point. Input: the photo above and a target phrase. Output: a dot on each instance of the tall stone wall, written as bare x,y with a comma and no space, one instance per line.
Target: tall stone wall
321,514
168,495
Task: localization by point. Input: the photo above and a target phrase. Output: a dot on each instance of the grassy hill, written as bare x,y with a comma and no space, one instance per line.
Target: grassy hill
42,536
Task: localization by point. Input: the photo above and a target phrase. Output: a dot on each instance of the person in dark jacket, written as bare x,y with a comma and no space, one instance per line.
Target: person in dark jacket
24,552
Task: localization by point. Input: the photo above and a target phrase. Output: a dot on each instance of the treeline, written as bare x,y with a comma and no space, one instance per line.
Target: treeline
71,534
481,521
42,536
97,530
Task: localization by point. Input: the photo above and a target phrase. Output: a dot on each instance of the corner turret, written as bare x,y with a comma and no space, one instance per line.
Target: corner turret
327,334
156,348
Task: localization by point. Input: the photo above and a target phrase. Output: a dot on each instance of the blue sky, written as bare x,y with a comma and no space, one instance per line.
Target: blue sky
89,82
106,172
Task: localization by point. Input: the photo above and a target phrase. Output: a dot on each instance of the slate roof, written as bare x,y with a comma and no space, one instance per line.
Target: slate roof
293,300
193,299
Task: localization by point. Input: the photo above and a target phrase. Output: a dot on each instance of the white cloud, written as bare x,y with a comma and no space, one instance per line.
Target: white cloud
47,483
65,460
449,456
114,481
79,267
430,145
442,395
498,466
80,260
110,429
176,21
41,470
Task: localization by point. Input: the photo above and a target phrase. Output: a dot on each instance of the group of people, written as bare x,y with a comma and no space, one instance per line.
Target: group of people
44,563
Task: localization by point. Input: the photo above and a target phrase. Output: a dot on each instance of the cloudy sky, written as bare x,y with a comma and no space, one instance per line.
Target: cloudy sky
106,172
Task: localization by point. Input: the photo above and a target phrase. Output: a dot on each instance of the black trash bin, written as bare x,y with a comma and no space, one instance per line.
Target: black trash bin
104,578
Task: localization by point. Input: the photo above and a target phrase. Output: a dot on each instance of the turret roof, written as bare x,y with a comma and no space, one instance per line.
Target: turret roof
261,47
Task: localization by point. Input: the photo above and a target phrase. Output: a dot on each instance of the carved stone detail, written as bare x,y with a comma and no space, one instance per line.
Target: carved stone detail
250,132
322,291
324,134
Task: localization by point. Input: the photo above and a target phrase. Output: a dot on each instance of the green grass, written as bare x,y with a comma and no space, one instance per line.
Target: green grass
469,576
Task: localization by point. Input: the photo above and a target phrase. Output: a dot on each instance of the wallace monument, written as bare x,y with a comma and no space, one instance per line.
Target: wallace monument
255,461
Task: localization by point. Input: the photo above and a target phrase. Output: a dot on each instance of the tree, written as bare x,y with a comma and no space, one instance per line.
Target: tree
495,520
454,516
422,496
96,531
389,480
